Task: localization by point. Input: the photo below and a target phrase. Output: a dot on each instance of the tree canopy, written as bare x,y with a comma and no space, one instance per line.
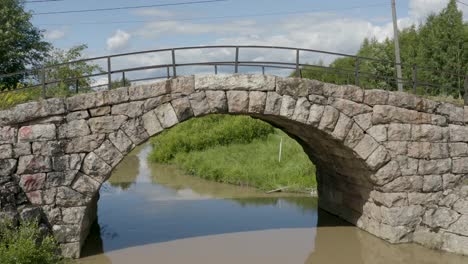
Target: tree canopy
21,44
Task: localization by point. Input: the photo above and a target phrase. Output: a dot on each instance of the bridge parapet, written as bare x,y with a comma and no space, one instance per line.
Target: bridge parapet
392,163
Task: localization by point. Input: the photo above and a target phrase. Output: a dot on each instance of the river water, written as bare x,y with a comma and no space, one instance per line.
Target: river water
153,213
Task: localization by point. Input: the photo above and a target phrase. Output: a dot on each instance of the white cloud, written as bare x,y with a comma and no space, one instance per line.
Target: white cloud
153,12
420,9
55,34
118,41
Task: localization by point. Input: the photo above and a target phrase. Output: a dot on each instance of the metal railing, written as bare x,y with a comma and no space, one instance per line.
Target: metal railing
297,66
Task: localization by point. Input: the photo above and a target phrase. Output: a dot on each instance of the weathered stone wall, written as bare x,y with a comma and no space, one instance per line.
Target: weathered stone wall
393,164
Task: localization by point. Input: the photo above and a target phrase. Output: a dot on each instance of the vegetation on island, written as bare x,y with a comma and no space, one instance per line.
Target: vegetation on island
235,149
27,244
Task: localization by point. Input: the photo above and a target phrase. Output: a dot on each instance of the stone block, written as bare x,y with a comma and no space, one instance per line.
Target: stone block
432,183
460,165
8,134
329,119
183,85
466,114
73,215
135,130
348,92
66,233
238,101
199,103
146,91
424,236
83,114
70,250
458,149
315,114
152,103
40,132
387,174
399,132
343,125
301,110
396,148
429,133
257,101
458,133
435,166
72,129
67,197
35,197
100,111
121,141
84,144
56,179
151,124
354,136
296,87
86,185
389,199
403,184
48,148
455,114
378,158
21,149
375,97
131,109
106,124
182,108
217,101
7,167
365,147
386,114
34,164
455,243
84,101
109,153
350,108
364,121
247,82
378,132
166,115
402,216
440,217
32,182
6,151
424,198
273,103
317,99
96,167
408,166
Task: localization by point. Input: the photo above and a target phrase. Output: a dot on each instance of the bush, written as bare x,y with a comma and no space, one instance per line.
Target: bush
26,245
206,132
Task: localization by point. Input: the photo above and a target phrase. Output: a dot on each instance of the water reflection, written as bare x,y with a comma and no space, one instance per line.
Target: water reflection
149,212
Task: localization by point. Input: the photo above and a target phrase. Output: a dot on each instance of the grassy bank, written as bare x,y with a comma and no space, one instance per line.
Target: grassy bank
237,150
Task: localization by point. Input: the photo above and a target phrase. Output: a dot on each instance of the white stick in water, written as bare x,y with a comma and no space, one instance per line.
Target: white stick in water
280,149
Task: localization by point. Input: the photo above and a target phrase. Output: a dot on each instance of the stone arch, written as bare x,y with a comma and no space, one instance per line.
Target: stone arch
384,160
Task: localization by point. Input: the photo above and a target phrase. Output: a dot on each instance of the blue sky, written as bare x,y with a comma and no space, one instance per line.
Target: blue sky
334,25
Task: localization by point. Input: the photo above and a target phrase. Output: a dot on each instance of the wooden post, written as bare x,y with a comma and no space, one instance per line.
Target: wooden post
298,70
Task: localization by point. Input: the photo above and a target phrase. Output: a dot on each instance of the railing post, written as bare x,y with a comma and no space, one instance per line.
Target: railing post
174,64
216,69
43,81
415,78
263,70
168,72
298,70
76,85
123,79
236,66
356,72
109,73
466,90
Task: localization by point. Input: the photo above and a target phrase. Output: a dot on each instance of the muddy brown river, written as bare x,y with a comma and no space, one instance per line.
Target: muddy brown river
153,213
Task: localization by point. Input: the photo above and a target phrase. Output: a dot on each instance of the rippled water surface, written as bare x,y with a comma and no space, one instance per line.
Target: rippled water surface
152,213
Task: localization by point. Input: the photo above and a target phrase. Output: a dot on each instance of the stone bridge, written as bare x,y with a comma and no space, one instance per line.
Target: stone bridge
391,163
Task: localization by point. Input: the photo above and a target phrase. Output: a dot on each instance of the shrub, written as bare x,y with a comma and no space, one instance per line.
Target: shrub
26,245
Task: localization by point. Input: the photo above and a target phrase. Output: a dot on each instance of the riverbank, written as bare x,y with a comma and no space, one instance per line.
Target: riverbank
236,150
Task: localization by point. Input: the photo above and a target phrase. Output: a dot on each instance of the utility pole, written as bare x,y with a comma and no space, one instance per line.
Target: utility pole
397,48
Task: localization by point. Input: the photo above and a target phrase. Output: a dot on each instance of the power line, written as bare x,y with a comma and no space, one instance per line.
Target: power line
128,7
41,1
460,2
214,17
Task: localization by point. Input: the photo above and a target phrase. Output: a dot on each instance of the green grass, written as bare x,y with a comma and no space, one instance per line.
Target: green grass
25,245
202,133
236,150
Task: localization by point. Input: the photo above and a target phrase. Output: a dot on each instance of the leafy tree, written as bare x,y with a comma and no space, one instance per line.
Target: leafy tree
120,83
21,44
68,72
